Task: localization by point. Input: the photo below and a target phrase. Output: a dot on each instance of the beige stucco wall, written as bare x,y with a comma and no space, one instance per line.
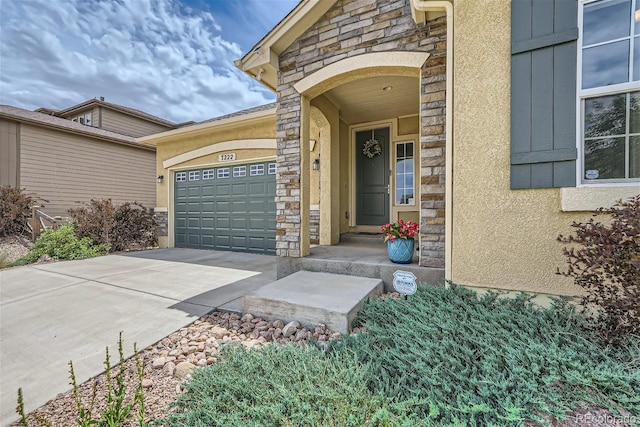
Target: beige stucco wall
180,144
502,238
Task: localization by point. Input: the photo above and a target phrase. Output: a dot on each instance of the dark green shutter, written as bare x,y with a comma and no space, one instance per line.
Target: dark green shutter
544,37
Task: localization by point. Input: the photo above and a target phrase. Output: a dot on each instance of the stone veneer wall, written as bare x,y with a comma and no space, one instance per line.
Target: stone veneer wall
162,222
349,29
314,226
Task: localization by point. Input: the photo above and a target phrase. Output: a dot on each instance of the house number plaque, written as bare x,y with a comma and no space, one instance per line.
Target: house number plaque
226,157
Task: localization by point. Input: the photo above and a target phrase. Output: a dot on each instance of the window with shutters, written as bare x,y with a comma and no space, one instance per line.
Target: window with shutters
609,91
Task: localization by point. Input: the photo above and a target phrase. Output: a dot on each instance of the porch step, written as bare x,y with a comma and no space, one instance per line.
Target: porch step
356,259
312,298
361,238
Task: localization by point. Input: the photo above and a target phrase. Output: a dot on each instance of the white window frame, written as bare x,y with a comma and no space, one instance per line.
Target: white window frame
413,172
181,177
239,171
256,170
194,176
582,94
272,168
208,174
223,173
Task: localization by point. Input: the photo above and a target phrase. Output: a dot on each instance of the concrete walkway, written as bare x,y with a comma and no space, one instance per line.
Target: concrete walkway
72,310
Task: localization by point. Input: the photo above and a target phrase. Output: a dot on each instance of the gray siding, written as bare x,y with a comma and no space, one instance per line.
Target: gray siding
64,169
124,124
9,153
543,93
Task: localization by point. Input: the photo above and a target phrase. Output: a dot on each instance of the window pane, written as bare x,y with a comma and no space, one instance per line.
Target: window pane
605,21
636,17
634,157
636,56
604,158
605,115
634,114
605,65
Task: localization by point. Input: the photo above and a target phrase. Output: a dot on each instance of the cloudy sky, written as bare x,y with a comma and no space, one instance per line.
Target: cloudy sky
170,58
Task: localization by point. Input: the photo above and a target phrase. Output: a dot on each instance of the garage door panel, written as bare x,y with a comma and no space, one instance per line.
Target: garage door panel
223,189
223,223
223,206
208,206
207,224
208,190
225,211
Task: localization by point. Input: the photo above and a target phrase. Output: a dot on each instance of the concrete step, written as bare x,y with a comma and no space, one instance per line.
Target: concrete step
312,298
361,238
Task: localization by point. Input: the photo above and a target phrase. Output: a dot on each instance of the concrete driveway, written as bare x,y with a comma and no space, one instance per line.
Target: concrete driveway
72,310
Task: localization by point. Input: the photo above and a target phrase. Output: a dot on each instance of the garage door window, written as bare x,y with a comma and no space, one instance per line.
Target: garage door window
194,175
239,171
208,174
272,169
256,170
181,177
223,173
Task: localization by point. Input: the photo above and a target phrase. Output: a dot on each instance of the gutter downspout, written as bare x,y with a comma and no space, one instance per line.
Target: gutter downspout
432,6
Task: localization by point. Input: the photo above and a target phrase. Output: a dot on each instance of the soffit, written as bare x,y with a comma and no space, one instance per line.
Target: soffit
365,100
261,62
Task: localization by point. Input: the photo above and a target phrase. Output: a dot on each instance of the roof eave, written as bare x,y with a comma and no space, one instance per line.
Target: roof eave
261,62
202,128
80,132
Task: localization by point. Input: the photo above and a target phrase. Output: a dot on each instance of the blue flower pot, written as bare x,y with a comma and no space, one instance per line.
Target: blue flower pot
400,251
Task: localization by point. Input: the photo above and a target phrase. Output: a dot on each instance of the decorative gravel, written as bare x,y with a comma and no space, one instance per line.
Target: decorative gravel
168,362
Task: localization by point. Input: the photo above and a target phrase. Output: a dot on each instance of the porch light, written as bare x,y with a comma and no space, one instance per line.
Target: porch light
159,179
316,164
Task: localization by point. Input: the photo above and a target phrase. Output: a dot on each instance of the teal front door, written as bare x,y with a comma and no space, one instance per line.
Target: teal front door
372,176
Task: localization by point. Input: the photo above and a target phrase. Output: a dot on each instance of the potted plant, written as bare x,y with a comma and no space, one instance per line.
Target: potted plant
399,237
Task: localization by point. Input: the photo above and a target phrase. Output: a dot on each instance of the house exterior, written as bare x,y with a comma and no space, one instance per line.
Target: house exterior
85,152
494,124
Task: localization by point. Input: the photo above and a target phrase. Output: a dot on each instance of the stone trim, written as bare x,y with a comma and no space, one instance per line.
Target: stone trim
348,30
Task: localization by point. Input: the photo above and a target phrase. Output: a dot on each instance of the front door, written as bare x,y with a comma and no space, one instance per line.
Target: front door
372,176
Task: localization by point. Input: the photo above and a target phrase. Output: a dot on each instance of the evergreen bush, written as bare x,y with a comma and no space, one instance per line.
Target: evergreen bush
487,360
284,386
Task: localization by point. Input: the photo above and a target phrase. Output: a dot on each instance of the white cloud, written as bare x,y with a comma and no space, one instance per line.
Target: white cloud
154,55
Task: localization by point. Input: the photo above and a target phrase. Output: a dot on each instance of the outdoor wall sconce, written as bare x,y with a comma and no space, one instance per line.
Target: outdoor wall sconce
159,179
316,164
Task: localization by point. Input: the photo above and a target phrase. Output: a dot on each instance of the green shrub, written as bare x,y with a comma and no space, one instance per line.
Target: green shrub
62,244
119,227
489,360
284,386
604,260
15,210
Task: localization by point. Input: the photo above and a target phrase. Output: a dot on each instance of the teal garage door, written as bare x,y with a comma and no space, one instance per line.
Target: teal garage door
226,208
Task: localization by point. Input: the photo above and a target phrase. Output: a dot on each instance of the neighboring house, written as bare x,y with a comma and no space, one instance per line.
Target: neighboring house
495,124
81,153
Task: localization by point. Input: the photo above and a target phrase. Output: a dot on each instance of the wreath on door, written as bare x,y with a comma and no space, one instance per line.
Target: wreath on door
372,148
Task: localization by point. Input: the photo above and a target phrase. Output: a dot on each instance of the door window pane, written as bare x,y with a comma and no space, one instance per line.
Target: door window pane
634,155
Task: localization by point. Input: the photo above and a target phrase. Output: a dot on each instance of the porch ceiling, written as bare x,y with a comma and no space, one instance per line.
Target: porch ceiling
365,100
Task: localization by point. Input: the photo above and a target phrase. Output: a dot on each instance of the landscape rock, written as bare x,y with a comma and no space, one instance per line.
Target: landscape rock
183,369
290,328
